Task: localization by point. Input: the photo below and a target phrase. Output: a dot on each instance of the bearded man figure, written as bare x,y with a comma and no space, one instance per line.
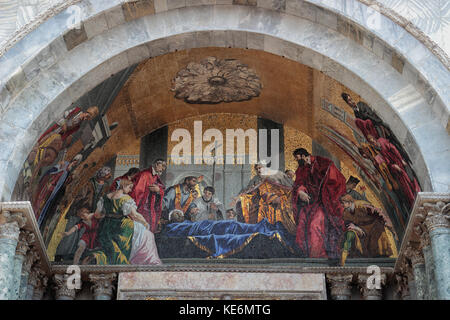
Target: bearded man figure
316,205
148,193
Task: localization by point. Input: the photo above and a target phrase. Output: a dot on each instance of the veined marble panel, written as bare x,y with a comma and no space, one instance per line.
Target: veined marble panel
220,285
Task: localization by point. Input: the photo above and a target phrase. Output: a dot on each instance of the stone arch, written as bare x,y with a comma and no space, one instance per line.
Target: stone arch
69,63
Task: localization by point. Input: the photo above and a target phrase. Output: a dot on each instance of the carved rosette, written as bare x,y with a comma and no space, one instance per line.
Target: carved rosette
340,286
103,284
365,284
215,80
62,292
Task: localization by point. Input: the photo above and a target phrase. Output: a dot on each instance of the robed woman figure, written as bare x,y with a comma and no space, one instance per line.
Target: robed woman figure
123,233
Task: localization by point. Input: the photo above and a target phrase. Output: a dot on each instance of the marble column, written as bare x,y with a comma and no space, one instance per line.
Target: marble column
367,292
10,224
103,285
437,222
19,258
30,258
431,292
62,291
418,270
340,286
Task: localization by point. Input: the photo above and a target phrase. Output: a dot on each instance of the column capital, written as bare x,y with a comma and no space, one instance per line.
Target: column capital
340,286
365,285
62,292
103,284
26,238
438,215
10,225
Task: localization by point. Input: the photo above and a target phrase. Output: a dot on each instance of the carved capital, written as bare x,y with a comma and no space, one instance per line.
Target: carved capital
340,286
425,240
38,280
438,215
103,284
62,291
369,286
11,217
25,239
415,255
402,285
30,259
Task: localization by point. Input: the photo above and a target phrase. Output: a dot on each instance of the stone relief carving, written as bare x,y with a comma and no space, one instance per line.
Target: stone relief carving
215,80
340,286
61,289
103,284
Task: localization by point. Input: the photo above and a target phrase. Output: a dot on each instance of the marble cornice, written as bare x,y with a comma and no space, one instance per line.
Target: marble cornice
87,270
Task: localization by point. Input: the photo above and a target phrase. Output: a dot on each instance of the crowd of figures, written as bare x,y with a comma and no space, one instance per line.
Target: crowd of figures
388,157
313,212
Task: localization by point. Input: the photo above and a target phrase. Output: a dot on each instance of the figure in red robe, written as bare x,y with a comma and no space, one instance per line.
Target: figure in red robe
69,124
398,168
129,176
317,210
148,193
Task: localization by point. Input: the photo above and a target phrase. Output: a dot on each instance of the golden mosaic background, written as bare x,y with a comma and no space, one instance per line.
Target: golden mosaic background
291,95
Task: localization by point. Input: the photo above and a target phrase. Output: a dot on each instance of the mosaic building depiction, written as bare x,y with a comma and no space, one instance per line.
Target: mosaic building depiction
268,149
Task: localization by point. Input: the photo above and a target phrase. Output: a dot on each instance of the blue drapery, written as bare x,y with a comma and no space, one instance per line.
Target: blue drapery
225,237
60,183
